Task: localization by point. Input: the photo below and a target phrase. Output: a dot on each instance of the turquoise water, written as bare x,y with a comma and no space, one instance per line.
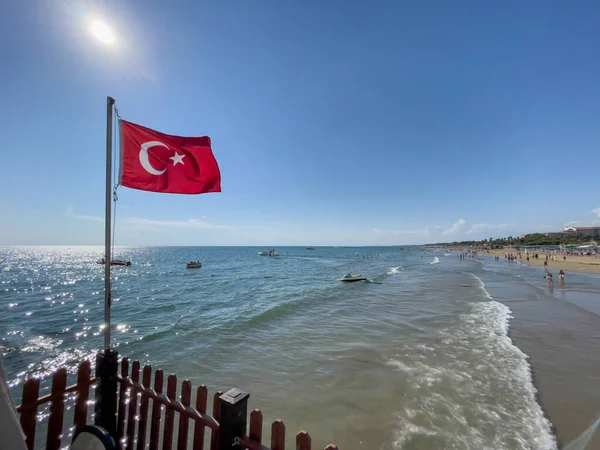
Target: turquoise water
417,358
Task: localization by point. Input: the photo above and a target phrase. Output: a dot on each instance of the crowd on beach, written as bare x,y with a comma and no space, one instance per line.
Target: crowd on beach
526,257
547,257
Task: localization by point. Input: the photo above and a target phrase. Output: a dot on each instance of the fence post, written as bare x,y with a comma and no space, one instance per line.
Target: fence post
107,365
232,421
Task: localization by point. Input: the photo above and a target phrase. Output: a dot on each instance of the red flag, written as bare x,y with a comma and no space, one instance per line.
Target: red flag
153,161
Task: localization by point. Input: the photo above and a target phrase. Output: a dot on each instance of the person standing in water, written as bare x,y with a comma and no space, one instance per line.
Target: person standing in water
561,277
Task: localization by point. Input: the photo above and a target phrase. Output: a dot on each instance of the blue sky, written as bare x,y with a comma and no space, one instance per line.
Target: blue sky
333,122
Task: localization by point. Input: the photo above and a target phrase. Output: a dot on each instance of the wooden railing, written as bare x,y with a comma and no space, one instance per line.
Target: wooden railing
128,411
30,402
254,441
142,393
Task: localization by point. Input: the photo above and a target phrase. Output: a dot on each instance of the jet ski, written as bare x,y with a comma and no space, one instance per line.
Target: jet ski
351,278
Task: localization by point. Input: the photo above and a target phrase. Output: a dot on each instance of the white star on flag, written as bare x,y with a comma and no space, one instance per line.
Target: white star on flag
177,158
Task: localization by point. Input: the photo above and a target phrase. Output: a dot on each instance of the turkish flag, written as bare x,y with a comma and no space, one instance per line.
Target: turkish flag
158,162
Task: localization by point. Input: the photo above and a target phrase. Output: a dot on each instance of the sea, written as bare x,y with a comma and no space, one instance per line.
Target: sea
420,356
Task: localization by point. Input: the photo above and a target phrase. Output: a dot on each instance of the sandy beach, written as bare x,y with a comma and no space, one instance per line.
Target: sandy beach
583,264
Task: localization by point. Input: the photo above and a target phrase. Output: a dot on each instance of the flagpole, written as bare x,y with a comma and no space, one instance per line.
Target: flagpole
107,256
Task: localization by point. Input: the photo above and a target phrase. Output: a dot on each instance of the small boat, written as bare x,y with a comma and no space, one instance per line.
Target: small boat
194,265
115,262
120,262
310,248
350,278
269,253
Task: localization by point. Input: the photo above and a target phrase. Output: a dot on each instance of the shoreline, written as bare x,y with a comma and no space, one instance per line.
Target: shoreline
558,333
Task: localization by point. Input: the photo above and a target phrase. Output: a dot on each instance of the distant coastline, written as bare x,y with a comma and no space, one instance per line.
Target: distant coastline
577,253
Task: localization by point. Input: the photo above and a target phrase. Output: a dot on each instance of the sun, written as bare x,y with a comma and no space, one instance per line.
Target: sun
102,31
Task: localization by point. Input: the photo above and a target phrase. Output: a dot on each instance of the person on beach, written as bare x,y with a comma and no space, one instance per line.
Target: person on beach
549,278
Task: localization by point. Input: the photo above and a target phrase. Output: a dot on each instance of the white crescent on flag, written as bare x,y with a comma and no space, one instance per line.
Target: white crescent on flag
145,162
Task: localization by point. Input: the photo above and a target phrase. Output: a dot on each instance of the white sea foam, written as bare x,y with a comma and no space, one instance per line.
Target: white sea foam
40,343
436,260
67,358
482,287
472,389
394,270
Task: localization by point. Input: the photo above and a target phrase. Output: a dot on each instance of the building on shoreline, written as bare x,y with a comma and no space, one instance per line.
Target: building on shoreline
592,232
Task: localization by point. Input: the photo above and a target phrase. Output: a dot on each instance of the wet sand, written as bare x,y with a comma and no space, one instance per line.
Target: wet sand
560,331
565,365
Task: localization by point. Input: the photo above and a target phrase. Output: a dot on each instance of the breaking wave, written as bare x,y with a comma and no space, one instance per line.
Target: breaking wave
394,270
474,378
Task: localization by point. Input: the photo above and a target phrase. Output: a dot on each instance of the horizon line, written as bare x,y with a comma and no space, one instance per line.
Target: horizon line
197,245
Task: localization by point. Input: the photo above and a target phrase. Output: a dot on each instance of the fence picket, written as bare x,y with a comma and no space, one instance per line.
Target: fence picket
170,413
155,423
303,441
57,409
184,421
146,381
256,424
83,393
122,402
133,400
278,435
29,406
214,435
201,397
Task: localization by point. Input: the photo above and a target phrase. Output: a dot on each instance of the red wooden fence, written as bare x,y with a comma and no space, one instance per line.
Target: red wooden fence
135,409
30,403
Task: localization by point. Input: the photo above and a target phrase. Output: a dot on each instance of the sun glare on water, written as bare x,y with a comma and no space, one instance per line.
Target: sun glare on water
102,31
